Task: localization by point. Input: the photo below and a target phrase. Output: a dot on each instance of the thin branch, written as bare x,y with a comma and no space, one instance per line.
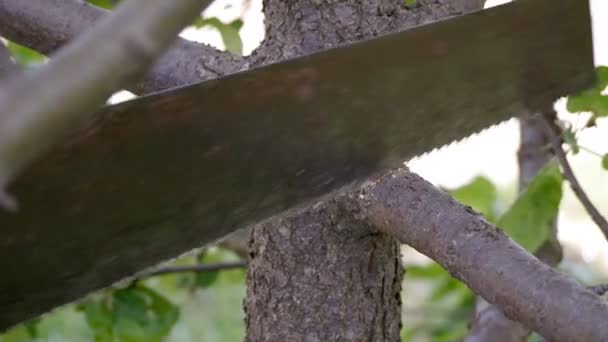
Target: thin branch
590,151
556,143
221,266
116,52
48,25
407,207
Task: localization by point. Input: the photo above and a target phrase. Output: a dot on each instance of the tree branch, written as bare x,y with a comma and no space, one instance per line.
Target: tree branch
482,256
221,266
553,131
47,25
490,324
82,76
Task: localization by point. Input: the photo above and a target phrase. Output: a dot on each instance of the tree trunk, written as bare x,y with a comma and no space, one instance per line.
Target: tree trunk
319,274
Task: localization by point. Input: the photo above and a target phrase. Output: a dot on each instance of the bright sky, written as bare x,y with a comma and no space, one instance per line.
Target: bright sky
492,152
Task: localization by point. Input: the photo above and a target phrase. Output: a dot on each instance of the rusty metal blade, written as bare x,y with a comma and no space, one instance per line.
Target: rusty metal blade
157,176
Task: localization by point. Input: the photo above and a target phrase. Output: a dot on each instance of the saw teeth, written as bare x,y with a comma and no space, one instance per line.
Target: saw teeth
461,139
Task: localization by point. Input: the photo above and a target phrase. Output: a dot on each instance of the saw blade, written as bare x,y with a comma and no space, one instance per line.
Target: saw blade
151,178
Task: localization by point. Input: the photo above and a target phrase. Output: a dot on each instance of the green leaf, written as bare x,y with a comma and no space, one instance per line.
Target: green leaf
32,327
211,256
450,286
605,161
529,220
592,100
24,56
237,24
453,330
230,32
232,276
107,4
479,194
410,2
141,314
570,139
445,284
169,283
206,279
133,314
16,334
100,319
452,300
429,271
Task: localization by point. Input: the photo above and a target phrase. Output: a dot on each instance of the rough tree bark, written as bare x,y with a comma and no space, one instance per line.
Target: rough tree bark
318,275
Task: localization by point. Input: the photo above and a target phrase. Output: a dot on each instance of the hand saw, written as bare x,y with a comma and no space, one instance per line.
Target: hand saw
151,178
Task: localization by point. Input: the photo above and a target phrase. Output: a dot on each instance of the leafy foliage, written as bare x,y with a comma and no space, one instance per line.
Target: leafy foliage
479,194
107,4
529,220
24,56
99,318
17,334
151,310
27,331
450,305
592,100
132,314
570,138
206,279
32,327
